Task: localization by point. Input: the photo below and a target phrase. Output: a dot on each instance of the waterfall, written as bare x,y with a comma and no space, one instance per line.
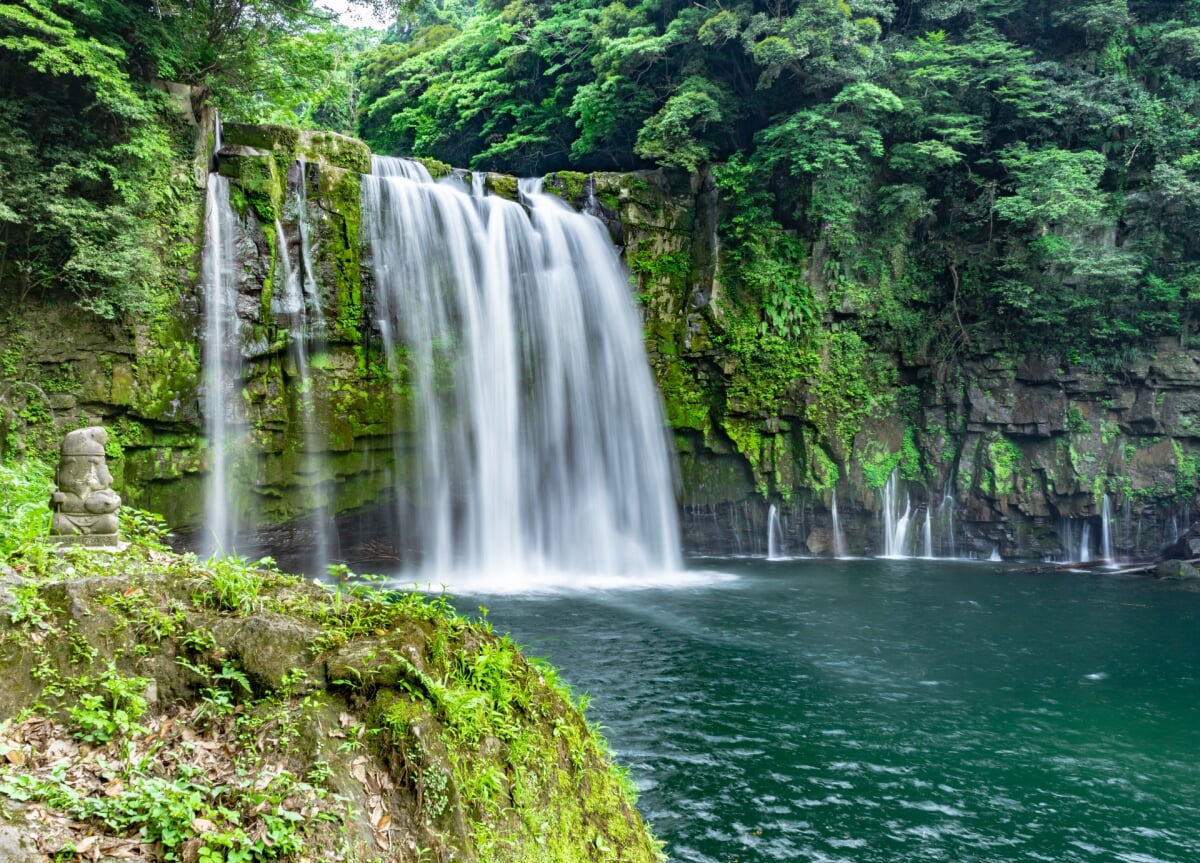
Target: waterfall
1085,544
539,436
774,533
222,365
839,544
297,308
895,533
1106,529
947,506
928,538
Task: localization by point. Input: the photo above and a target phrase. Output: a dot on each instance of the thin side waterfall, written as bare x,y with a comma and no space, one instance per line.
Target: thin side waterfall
296,305
839,544
774,533
538,434
1132,534
895,523
947,507
222,365
1106,529
1085,544
928,537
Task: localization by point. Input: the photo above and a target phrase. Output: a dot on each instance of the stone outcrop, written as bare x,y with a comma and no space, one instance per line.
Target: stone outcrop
152,707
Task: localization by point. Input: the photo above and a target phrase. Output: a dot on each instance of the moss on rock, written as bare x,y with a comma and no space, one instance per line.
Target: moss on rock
346,722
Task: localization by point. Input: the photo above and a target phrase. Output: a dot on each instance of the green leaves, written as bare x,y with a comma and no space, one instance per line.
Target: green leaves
49,43
675,136
1052,186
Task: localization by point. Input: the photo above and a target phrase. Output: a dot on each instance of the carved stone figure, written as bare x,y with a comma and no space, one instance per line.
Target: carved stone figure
85,506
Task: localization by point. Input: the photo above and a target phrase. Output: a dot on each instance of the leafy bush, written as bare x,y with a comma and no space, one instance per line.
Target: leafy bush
24,506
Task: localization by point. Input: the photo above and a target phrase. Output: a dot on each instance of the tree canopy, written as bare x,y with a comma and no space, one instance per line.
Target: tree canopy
89,205
948,171
1030,164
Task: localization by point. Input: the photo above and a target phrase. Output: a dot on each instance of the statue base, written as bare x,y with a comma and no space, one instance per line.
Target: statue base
88,540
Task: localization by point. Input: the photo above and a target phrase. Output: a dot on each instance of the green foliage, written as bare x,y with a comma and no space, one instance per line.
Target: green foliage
1004,458
94,202
24,506
112,710
234,583
676,135
173,811
878,464
982,170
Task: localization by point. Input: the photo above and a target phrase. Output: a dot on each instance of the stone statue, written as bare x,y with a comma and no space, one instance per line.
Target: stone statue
85,507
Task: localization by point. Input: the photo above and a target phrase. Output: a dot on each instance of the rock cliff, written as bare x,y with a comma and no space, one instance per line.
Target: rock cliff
1016,455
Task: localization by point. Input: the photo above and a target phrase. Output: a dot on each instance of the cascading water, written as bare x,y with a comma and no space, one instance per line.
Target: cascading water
538,431
774,533
895,523
297,307
1106,530
222,365
928,533
839,544
946,512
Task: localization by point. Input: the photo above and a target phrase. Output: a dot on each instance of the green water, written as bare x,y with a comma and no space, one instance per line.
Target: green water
874,711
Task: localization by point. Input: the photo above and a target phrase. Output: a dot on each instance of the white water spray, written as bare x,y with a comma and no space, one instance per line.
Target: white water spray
839,544
774,533
895,523
222,366
297,307
1106,529
947,507
539,432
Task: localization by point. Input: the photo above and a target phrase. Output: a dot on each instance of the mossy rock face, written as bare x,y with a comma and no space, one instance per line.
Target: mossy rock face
436,169
340,151
261,136
571,186
502,185
369,700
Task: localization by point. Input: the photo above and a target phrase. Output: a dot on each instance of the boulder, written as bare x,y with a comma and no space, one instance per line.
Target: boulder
1176,569
16,846
1187,547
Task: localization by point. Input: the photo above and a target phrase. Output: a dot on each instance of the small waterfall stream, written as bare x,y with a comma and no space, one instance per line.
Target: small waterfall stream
222,365
895,523
1106,530
296,306
946,512
774,534
839,542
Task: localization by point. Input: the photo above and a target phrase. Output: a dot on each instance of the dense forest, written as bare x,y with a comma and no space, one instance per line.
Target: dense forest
954,174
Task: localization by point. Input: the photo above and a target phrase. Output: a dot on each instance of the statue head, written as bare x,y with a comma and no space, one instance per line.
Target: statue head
81,467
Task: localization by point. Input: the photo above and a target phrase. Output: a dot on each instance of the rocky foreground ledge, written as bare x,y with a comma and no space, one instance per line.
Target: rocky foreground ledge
156,707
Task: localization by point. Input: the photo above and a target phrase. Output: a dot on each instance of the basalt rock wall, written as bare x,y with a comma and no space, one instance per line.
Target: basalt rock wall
1001,454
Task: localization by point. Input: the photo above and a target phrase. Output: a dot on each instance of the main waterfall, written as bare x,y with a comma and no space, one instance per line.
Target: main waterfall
538,441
